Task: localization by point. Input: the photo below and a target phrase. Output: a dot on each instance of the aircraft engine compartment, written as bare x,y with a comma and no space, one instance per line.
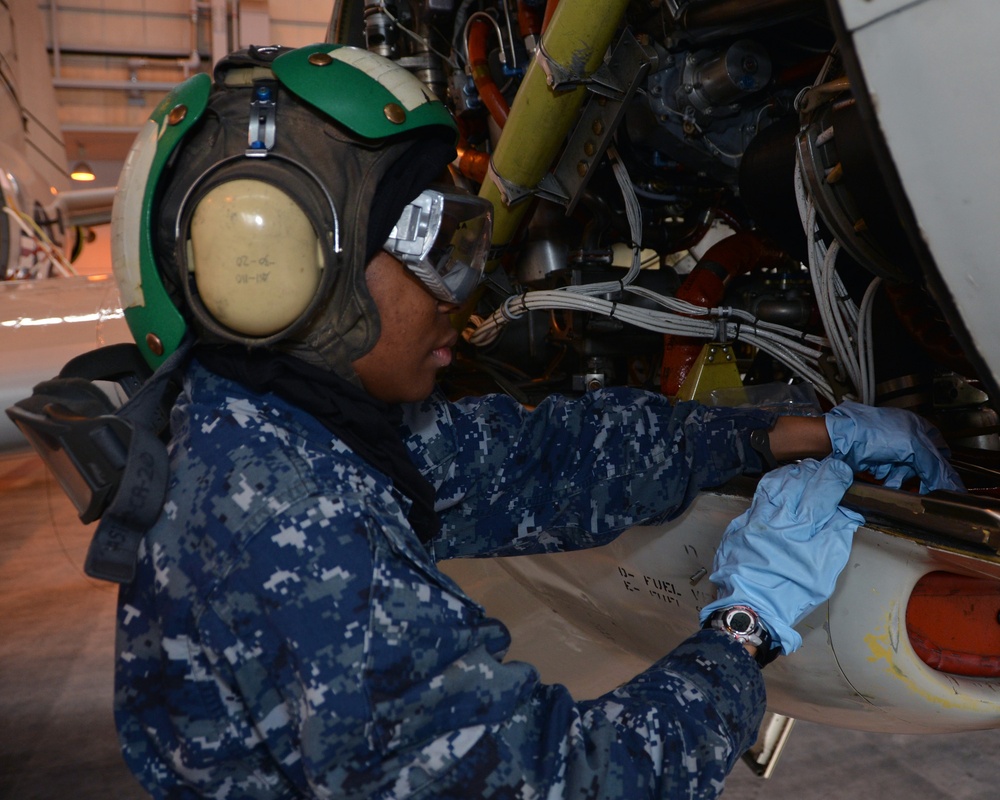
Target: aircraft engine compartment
734,202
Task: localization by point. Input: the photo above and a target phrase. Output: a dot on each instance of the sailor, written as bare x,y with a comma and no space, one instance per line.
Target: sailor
287,632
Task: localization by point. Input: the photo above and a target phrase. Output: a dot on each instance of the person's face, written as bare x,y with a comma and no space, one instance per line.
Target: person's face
416,338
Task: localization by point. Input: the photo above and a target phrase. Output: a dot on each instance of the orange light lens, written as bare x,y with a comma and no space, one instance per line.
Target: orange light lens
953,622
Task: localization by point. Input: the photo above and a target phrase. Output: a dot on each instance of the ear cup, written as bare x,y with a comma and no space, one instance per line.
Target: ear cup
255,256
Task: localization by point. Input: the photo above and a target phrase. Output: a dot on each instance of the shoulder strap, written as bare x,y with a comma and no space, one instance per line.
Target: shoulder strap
112,463
143,485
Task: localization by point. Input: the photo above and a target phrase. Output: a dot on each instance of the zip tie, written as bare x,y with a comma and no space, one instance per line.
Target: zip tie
721,325
507,312
721,331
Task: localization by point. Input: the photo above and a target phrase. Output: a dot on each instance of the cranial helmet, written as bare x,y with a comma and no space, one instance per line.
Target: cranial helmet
249,206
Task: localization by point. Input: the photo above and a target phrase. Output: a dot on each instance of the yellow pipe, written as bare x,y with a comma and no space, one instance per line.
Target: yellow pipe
577,38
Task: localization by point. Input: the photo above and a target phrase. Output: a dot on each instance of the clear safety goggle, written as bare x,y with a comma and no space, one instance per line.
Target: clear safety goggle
444,238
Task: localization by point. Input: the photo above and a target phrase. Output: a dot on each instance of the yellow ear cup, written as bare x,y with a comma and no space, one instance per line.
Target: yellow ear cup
255,257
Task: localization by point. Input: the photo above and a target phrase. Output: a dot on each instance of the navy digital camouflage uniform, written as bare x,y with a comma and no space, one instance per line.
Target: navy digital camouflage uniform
288,635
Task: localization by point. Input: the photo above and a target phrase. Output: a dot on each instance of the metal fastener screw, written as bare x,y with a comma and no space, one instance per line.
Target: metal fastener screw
320,59
177,114
394,113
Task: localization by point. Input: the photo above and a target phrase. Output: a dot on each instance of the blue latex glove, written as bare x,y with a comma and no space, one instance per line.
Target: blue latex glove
783,555
892,444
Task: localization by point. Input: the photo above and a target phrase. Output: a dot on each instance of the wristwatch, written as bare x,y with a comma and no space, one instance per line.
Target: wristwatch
742,624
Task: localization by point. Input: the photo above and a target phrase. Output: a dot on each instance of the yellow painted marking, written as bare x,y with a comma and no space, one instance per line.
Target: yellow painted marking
883,648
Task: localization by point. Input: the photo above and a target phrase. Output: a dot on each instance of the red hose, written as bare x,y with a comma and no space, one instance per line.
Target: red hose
529,19
479,65
473,164
550,9
705,286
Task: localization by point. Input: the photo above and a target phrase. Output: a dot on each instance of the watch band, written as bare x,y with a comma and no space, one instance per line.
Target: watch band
760,441
743,624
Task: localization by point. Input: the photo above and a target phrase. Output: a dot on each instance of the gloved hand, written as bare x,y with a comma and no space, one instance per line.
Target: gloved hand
783,555
892,444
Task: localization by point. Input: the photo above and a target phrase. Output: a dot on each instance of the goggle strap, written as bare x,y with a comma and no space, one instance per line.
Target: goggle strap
432,280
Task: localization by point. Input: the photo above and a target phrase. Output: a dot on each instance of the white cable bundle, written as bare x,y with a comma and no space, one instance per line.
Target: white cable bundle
800,353
847,326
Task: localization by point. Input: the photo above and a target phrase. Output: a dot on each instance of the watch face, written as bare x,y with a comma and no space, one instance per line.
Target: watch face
740,621
743,625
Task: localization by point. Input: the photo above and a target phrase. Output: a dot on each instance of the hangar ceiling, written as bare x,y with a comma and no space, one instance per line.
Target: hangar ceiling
112,60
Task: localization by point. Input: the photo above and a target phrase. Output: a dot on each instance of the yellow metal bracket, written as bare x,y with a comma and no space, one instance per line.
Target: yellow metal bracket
715,368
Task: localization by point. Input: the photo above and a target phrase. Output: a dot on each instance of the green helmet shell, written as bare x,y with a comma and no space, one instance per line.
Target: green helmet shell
395,102
371,97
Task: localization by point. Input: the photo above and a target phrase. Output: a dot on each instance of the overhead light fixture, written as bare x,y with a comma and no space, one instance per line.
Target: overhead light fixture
81,170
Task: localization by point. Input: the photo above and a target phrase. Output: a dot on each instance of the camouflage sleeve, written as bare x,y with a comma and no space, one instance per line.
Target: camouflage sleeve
370,675
287,635
676,730
708,696
571,473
